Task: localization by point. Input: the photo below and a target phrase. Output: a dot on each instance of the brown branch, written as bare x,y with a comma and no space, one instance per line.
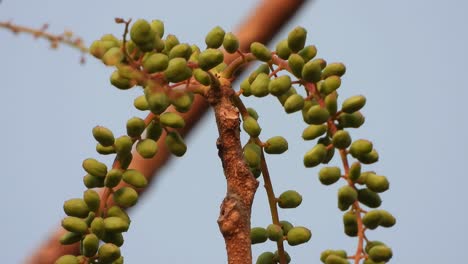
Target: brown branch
262,25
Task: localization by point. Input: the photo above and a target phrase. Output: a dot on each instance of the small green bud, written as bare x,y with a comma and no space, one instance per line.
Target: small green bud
245,87
330,151
230,43
308,53
94,167
141,32
108,253
121,82
315,156
314,131
263,68
251,126
180,51
256,172
259,86
214,39
76,207
157,101
260,51
275,233
113,178
175,143
266,258
75,225
114,238
252,154
329,175
369,158
98,48
341,139
173,120
337,68
155,62
91,181
104,150
380,253
311,72
296,63
134,178
209,59
202,77
289,199
298,235
170,42
297,38
282,98
258,235
334,259
67,259
135,126
276,145
123,145
371,244
147,148
282,49
182,101
331,103
286,226
317,115
158,27
330,84
347,195
118,212
115,224
70,238
103,135
353,120
92,199
97,226
90,245
279,85
350,224
369,198
154,130
372,219
252,113
360,147
177,70
353,104
329,252
387,219
294,103
113,56
354,171
125,197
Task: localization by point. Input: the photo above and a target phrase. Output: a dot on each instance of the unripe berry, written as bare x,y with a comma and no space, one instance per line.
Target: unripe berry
147,148
230,43
315,156
360,147
108,253
387,219
67,259
330,84
259,86
214,39
70,238
350,224
260,51
296,63
353,104
118,212
123,145
331,103
91,181
155,62
158,27
372,219
337,68
75,225
114,224
76,207
369,158
175,143
341,139
177,70
282,98
245,88
209,59
258,235
97,227
380,253
252,154
113,56
369,198
276,145
279,85
182,101
104,150
289,199
286,226
353,120
294,103
154,130
135,126
314,131
92,199
121,82
377,183
170,42
173,120
275,233
157,101
298,235
125,197
141,32
282,49
317,115
114,238
297,38
263,68
329,175
95,167
180,51
347,195
311,72
251,126
103,135
202,76
329,252
98,48
252,113
354,171
113,178
134,178
308,53
334,259
90,245
266,258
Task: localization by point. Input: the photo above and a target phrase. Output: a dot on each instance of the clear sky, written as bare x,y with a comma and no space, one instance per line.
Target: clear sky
408,57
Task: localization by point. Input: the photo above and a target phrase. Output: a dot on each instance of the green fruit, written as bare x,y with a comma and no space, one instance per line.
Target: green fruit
369,158
315,156
70,238
371,244
108,253
334,259
202,77
147,148
252,155
289,199
334,69
135,126
275,233
369,198
308,52
363,177
260,51
182,101
330,151
245,87
209,59
103,135
158,27
282,98
155,62
341,139
331,103
104,150
76,207
298,235
115,224
154,130
266,258
329,175
311,72
170,42
256,172
125,159
377,183
75,225
125,197
180,51
123,145
230,43
297,38
135,178
252,113
214,39
114,238
97,227
353,104
294,103
113,56
95,167
276,145
353,120
157,101
329,252
173,120
350,224
90,245
177,70
286,226
67,259
277,257
99,48
118,212
369,261
296,63
314,131
317,115
330,84
360,147
372,219
91,181
347,195
141,32
380,253
113,178
259,86
251,126
121,82
387,219
354,171
279,85
175,143
92,199
258,235
282,49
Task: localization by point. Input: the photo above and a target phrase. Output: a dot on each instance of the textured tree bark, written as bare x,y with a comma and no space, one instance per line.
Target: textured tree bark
261,25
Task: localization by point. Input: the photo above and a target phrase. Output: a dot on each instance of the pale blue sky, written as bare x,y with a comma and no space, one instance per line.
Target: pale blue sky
408,57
